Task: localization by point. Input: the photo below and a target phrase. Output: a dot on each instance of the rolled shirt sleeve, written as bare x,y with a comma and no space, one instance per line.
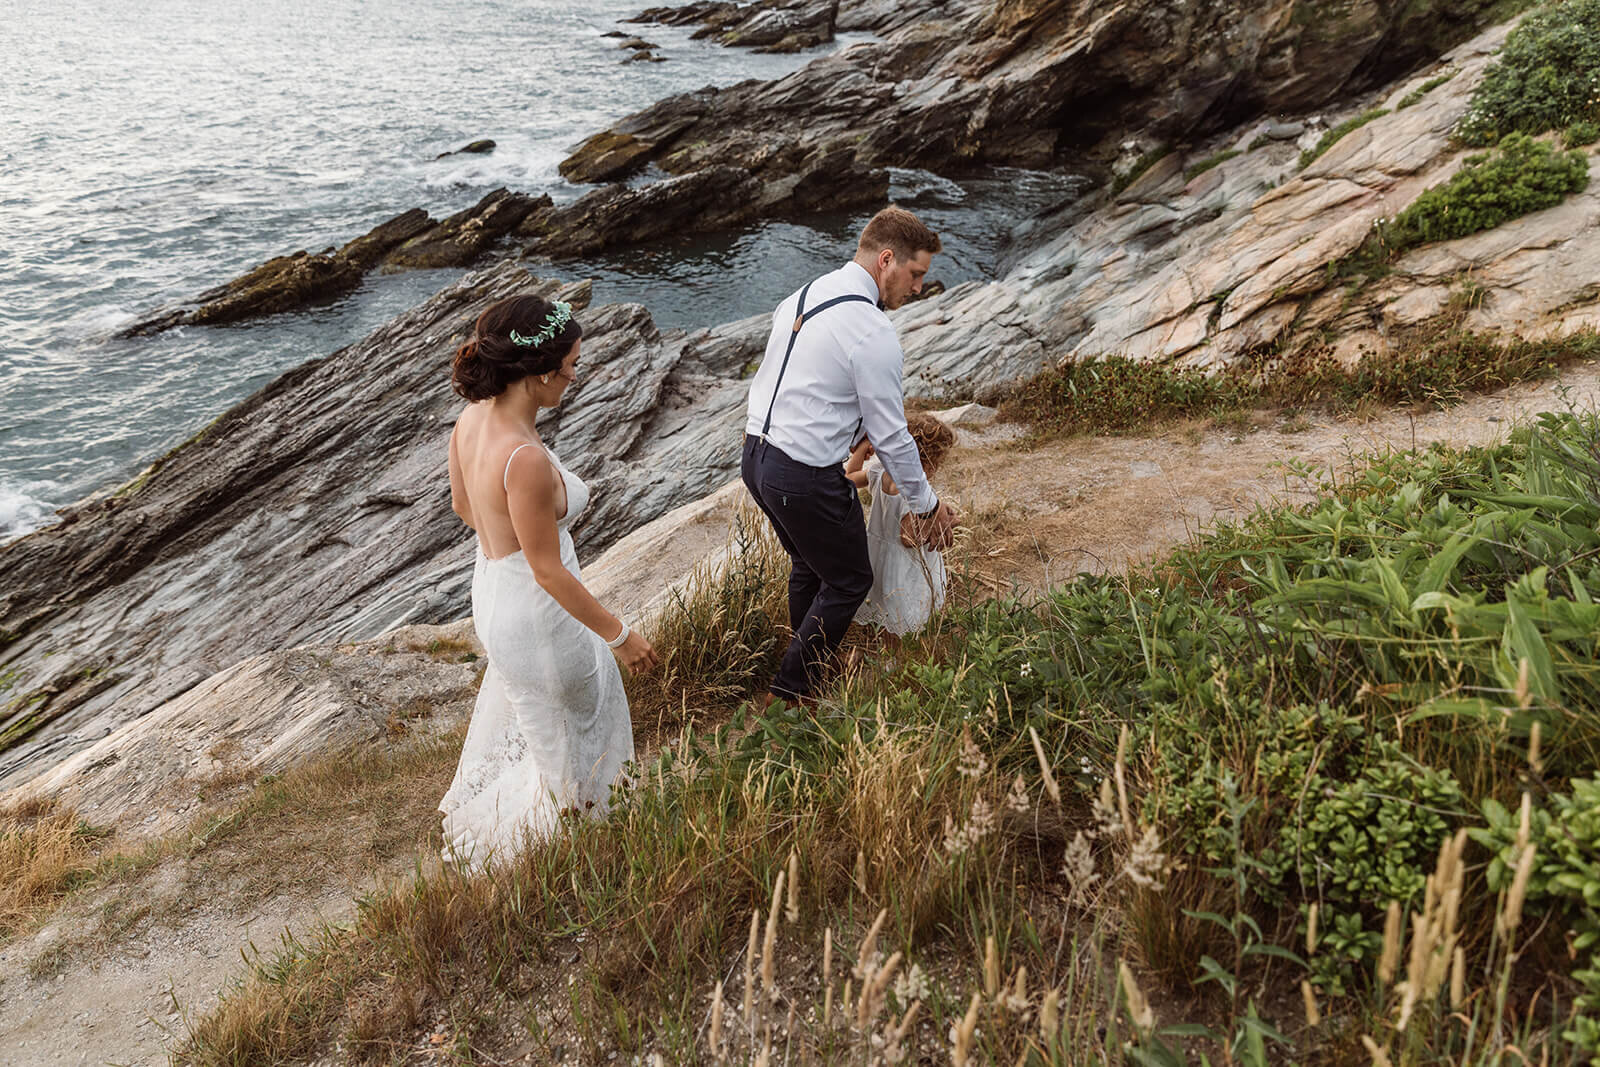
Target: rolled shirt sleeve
877,363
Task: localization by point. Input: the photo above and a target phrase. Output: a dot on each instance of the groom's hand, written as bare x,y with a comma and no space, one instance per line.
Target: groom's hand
935,530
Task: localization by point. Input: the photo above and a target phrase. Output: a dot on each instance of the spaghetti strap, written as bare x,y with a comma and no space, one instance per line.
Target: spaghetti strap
505,481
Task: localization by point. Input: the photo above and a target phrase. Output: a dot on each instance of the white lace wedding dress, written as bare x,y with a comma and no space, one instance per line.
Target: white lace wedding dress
550,732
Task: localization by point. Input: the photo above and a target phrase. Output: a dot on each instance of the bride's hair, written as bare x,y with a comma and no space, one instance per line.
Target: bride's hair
491,362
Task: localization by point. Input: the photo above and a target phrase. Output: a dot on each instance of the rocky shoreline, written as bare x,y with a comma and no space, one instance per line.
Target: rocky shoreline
316,511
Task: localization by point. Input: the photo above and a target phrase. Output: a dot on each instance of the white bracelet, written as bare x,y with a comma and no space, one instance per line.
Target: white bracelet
620,638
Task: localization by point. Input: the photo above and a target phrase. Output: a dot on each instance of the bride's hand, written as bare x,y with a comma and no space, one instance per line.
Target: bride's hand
637,653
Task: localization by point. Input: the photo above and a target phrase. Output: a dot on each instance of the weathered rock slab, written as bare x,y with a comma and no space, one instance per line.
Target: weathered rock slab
261,716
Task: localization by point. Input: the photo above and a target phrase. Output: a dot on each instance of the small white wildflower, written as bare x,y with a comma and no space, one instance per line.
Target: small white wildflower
1147,864
1025,670
1017,799
1085,768
1079,866
972,762
911,985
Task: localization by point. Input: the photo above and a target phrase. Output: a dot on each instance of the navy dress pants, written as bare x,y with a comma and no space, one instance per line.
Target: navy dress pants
817,516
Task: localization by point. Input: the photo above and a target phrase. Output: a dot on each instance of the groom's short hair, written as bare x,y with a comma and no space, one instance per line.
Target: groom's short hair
898,229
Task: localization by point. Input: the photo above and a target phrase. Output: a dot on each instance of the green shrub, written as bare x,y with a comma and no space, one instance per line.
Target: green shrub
1518,177
1333,136
1209,162
1547,76
1580,134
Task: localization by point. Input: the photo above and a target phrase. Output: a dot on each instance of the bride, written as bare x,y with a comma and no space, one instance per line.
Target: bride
550,731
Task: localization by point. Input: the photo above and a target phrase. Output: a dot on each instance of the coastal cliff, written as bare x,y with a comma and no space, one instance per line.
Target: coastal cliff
316,511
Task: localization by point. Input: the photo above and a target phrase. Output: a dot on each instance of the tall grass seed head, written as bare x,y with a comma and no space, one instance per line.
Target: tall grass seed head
1078,867
1147,864
1017,800
972,763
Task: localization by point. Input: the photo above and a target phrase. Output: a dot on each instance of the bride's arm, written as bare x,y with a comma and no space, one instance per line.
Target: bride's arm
530,499
458,487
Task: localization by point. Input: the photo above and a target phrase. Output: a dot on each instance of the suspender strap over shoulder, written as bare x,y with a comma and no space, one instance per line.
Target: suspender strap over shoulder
802,316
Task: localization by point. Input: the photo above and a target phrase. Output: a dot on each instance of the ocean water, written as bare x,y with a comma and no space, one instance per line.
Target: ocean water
152,150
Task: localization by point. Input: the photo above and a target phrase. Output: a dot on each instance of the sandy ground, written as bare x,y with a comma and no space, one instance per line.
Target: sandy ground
1084,504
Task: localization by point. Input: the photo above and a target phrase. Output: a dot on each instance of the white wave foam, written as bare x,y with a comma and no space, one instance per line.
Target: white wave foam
515,162
22,510
907,185
99,319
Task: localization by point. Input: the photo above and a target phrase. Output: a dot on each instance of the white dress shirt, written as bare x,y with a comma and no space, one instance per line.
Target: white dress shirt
843,381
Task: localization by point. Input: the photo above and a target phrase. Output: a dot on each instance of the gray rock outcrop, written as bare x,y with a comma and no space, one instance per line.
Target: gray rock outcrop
766,25
471,148
410,240
710,199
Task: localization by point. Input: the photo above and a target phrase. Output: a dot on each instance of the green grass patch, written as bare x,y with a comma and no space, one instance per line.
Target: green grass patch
1169,767
1337,133
1214,160
1436,366
1581,134
1140,165
1517,177
1415,96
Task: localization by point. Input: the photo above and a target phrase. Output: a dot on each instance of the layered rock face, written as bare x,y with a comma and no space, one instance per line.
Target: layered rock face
1212,269
767,26
1035,83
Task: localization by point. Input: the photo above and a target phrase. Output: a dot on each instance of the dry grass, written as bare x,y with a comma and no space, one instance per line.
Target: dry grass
44,852
720,635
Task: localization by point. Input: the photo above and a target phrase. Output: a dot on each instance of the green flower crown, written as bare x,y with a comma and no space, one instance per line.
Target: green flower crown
560,314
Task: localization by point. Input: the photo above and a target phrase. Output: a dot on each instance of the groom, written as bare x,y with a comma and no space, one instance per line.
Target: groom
831,375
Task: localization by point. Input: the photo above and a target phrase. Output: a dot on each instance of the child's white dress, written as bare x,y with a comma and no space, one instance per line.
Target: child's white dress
907,583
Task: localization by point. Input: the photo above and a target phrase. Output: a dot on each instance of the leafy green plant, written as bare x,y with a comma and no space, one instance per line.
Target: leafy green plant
1367,842
1334,135
1547,77
1566,832
1580,134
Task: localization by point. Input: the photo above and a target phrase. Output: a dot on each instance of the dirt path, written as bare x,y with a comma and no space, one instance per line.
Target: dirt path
130,1005
1085,504
1095,504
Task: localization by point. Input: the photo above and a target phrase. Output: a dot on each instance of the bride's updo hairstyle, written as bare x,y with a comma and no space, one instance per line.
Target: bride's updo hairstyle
514,338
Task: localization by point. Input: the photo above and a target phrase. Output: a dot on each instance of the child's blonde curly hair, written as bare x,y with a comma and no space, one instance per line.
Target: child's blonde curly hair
934,439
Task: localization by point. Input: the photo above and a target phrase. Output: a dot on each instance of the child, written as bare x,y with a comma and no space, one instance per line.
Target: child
907,583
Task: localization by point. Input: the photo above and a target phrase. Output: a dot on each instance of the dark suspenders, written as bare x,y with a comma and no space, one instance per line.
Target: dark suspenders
801,317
